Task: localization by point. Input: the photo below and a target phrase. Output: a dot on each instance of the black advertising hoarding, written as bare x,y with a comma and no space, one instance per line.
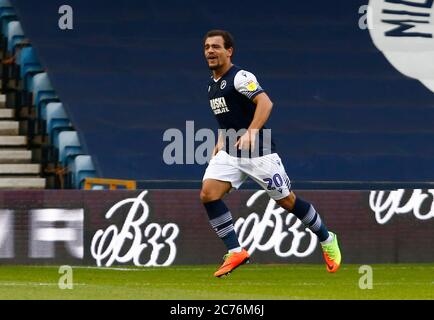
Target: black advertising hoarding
170,227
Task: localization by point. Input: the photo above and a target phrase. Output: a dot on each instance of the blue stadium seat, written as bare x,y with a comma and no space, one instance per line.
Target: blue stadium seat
5,4
69,147
7,14
43,93
81,168
15,35
29,65
57,121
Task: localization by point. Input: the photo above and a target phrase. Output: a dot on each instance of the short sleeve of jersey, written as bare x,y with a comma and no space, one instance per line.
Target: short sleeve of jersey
245,83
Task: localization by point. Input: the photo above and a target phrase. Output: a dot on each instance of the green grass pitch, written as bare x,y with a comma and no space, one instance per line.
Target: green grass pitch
277,282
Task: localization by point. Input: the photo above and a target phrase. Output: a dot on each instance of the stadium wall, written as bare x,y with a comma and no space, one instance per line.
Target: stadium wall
351,103
170,227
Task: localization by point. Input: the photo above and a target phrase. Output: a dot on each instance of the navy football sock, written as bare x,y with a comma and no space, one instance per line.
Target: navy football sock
310,218
221,221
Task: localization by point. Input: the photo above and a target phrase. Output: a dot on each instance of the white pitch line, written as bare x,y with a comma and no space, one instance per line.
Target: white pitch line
108,268
141,269
34,284
89,267
401,283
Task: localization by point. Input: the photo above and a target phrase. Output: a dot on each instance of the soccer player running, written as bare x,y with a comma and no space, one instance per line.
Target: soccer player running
238,103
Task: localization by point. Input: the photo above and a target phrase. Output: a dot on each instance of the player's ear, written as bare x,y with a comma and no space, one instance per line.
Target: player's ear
230,52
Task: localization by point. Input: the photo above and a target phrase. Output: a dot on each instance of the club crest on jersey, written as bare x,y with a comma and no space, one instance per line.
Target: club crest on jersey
223,84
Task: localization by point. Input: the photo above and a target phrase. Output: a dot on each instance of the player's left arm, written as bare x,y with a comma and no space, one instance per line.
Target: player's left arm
247,84
263,110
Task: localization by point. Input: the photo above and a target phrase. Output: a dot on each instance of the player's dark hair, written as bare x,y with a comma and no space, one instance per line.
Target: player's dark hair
227,37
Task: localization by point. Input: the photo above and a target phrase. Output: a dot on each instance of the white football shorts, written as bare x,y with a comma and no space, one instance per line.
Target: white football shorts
267,171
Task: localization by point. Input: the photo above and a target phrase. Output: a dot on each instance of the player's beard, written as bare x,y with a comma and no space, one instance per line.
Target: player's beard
214,67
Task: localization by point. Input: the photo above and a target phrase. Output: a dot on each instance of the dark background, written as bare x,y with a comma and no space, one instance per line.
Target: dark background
132,69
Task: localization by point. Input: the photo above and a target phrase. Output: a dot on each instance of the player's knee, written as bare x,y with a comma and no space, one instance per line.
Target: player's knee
288,202
206,195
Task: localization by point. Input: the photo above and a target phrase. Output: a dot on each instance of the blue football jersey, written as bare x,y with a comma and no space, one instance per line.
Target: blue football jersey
231,100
